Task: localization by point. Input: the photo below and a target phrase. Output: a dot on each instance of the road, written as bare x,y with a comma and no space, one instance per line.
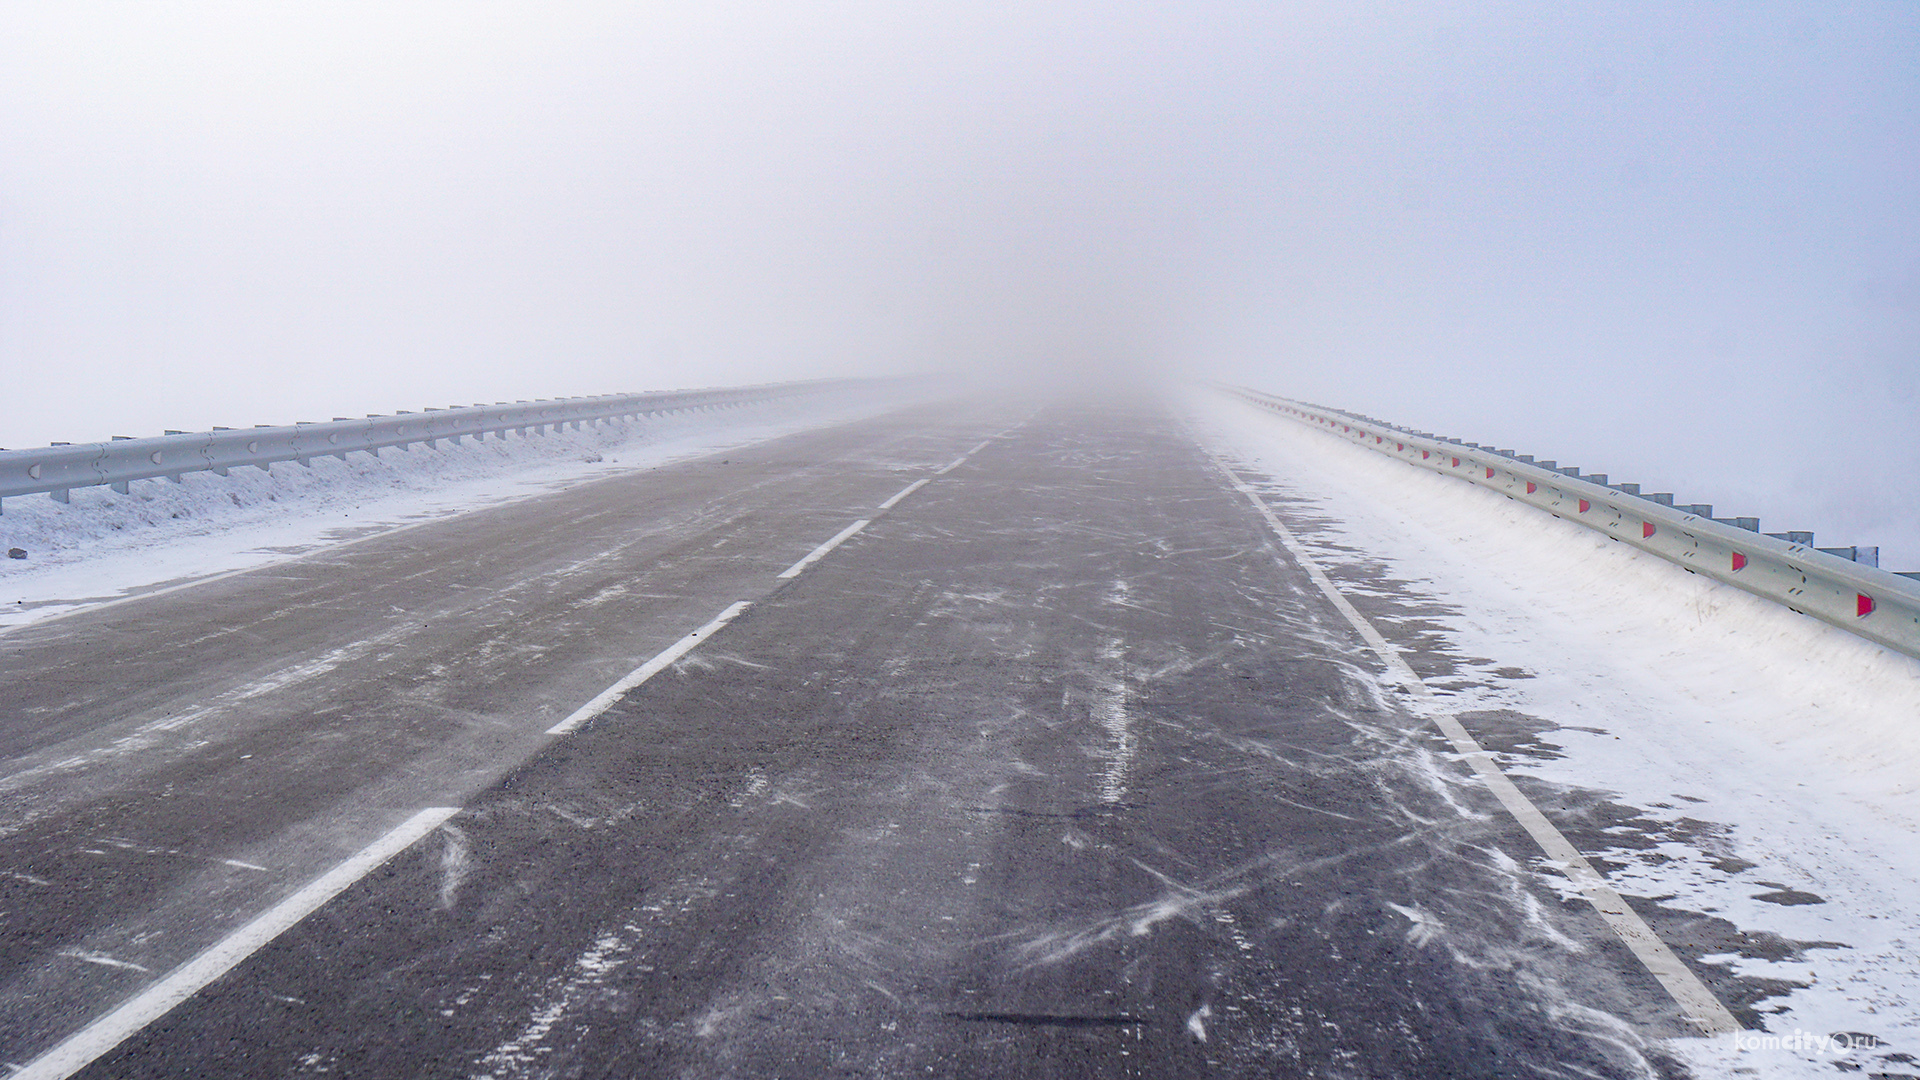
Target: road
1063,765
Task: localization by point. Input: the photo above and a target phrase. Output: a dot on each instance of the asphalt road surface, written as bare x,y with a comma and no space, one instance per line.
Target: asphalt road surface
1059,766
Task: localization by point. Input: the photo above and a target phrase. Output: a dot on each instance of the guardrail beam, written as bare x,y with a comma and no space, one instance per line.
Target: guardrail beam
60,467
1840,586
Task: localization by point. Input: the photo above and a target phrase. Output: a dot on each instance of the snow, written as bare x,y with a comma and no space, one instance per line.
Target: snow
105,547
1733,726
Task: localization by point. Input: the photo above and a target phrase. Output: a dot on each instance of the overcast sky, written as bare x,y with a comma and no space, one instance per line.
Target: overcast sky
1676,242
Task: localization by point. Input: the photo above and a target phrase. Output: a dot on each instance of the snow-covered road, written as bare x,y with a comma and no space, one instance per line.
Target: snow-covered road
105,546
960,738
1751,776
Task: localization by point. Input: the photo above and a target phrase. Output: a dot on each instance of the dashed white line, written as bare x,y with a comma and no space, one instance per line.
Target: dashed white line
1699,1003
605,699
951,465
905,491
83,1047
838,539
88,1044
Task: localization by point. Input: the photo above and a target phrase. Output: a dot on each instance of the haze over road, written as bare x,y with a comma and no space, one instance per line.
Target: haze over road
1061,765
1674,242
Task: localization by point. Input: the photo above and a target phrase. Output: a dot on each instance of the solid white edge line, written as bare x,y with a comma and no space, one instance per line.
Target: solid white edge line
904,492
1699,1004
951,465
838,538
604,699
83,1047
981,447
194,583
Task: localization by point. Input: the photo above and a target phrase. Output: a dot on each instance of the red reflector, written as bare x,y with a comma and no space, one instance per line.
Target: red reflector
1646,529
1399,446
1489,474
1344,427
1531,488
1585,506
1864,606
1456,463
1739,561
1424,455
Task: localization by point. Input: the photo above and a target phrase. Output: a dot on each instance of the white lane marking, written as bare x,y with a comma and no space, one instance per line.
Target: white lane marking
904,492
604,699
322,551
83,1047
838,539
1699,1003
950,466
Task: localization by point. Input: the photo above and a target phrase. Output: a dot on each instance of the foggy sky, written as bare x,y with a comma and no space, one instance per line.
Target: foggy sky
1674,242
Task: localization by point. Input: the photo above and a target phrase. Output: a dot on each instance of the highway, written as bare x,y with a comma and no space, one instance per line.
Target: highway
1066,763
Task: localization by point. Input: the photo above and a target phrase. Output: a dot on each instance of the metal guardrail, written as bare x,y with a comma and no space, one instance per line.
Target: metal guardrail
1854,596
57,469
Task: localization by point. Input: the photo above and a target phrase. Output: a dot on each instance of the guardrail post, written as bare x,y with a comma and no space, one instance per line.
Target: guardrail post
1866,556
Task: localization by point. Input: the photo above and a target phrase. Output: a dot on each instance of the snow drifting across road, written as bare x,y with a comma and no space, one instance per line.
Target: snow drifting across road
105,546
1741,765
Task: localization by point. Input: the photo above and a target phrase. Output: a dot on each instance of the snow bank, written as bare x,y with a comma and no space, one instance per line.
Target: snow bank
1734,725
105,546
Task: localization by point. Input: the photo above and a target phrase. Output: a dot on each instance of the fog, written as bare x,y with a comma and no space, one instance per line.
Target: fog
1673,242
